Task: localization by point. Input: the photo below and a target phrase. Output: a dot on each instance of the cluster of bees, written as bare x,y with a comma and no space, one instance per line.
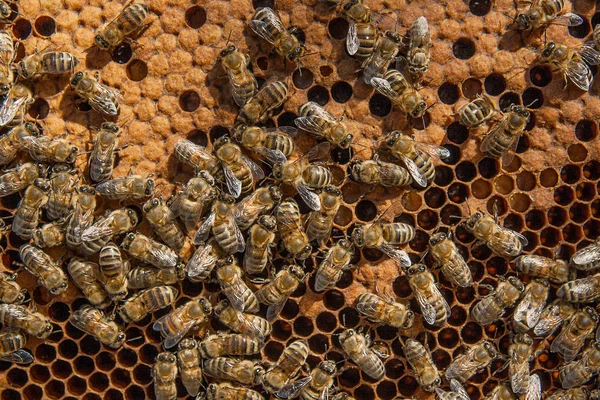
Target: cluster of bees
240,226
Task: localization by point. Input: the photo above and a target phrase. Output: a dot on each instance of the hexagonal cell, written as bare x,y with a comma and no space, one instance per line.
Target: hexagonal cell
548,177
17,377
443,175
463,49
99,382
22,28
591,229
195,17
586,130
532,98
341,92
520,202
564,195
488,168
76,385
585,191
549,237
319,95
570,174
55,389
465,171
458,193
577,152
572,233
582,30
591,170
61,369
302,78
481,189
540,75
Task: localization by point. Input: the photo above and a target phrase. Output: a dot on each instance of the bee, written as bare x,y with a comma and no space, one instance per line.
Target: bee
492,307
520,353
27,216
51,234
86,276
542,13
401,92
164,373
556,271
572,336
267,24
475,359
569,63
131,187
275,144
502,241
148,277
12,341
204,259
335,262
7,53
579,372
147,301
260,107
383,54
149,251
190,365
385,236
62,183
553,316
277,377
458,392
191,203
129,22
527,313
475,113
17,100
501,392
418,52
375,172
587,258
260,242
417,157
225,391
384,310
275,293
419,358
358,348
580,393
290,229
434,307
102,231
46,62
40,265
18,178
113,271
176,324
246,324
102,158
246,372
98,96
362,33
502,139
216,345
197,157
90,320
55,150
14,141
82,216
161,218
31,322
320,223
10,291
242,81
317,385
446,255
232,284
221,221
590,52
584,290
240,172
315,119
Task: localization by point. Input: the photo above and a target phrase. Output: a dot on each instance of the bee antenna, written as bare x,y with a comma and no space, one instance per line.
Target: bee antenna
134,338
228,37
532,103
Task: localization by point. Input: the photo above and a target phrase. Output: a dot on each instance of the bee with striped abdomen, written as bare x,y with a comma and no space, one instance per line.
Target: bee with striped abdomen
556,271
418,52
176,324
7,53
362,33
457,392
43,267
148,277
316,120
274,144
221,344
401,92
366,356
130,187
130,21
570,63
62,183
419,358
336,260
93,322
527,313
102,158
502,140
225,390
478,111
587,258
203,261
520,353
241,173
492,307
100,97
46,62
221,221
287,367
27,215
196,157
116,222
583,290
260,107
542,13
246,372
29,321
450,261
164,374
19,177
475,359
242,81
56,150
149,251
136,307
433,305
267,24
190,365
375,172
577,373
10,291
292,236
12,341
384,310
194,199
275,293
51,234
86,275
113,271
383,54
502,241
162,220
316,386
319,223
385,237
14,140
553,316
571,338
246,324
15,103
261,240
232,285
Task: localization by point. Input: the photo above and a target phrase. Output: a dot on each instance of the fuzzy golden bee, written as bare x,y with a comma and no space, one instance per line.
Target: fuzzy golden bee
221,344
82,216
43,267
294,240
7,53
46,62
267,24
115,222
275,293
191,203
231,281
457,392
571,338
10,291
46,149
85,275
190,365
584,290
520,354
63,179
556,271
401,92
131,187
477,112
176,324
553,316
246,372
385,237
15,103
362,33
418,51
164,373
475,359
335,261
492,307
93,322
19,177
100,97
242,81
102,158
12,341
147,301
241,173
384,310
196,157
433,305
448,258
587,258
203,261
51,234
569,62
317,385
29,321
419,358
383,54
113,271
260,107
14,140
148,277
502,241
129,22
261,240
579,372
27,216
149,251
162,220
225,390
375,172
502,140
542,13
274,144
580,393
221,221
320,223
316,120
359,349
246,324
278,375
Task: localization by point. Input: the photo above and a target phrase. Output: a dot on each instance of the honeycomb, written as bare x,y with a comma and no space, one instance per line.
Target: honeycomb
174,88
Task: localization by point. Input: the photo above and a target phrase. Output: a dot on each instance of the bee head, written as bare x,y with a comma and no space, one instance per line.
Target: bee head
344,144
133,217
127,240
206,306
227,50
357,236
328,367
110,126
278,170
333,190
305,252
522,22
516,282
119,340
149,187
220,142
346,244
297,272
103,44
548,50
42,184
419,109
207,177
410,320
473,219
268,222
276,193
77,78
354,169
437,238
392,138
151,204
4,88
60,288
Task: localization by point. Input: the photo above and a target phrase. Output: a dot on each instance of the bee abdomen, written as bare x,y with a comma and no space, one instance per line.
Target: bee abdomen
226,239
398,233
367,36
316,176
58,62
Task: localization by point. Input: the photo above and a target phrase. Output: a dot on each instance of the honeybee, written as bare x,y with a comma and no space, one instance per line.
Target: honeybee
225,390
102,157
113,271
587,258
542,13
162,219
204,259
198,158
216,345
362,33
590,52
51,234
221,221
384,310
502,241
492,307
402,93
131,187
40,265
56,150
458,392
417,157
419,358
147,301
102,231
17,100
62,183
149,251
85,274
164,373
433,305
502,139
553,316
98,96
478,111
277,377
82,216
475,359
18,178
419,47
584,290
580,393
12,341
556,271
7,53
240,172
267,24
501,392
315,119
579,372
315,386
10,291
190,365
260,242
383,54
527,313
520,353
27,215
130,21
31,322
375,172
574,333
261,106
246,372
385,236
90,320
14,141
46,62
275,144
196,197
335,262
176,324
292,236
147,277
242,81
275,293
569,62
246,324
446,255
320,223
358,348
232,284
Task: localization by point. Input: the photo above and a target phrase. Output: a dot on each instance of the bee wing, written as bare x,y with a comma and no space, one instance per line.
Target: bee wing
201,261
319,152
261,28
256,170
419,31
568,19
414,172
293,389
286,130
589,54
309,124
586,255
35,144
520,372
95,232
234,185
352,42
9,108
175,337
274,309
498,240
20,356
170,258
320,112
7,188
384,87
460,366
579,73
256,332
202,232
275,156
104,100
426,308
399,256
310,198
459,389
534,389
533,314
548,322
520,313
236,293
434,150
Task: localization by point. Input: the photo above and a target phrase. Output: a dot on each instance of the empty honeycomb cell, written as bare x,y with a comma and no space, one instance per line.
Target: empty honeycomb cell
535,219
334,299
428,219
325,71
341,156
338,28
458,315
481,252
83,365
326,322
379,105
540,75
39,373
595,208
434,197
471,88
59,311
301,290
411,201
500,203
577,152
463,49
105,361
303,326
522,146
513,222
471,333
443,175
465,171
420,242
349,317
61,369
341,92
282,330
76,385
385,390
448,338
91,396
480,8
448,214
448,93
55,389
263,63
99,382
422,123
365,211
591,229
549,177
39,109
494,84
457,133
17,377
303,78
132,333
143,373
10,394
401,287
586,130
217,131
319,95
189,101
45,26
286,119
33,392
134,392
487,167
570,174
394,368
22,28
579,212
137,70
45,353
454,156
532,98
68,349
290,310
42,296
458,192
507,100
122,53
120,378
351,192
319,343
582,30
273,350
520,202
549,237
496,266
572,233
349,378
408,385
385,332
591,170
148,353
564,195
195,17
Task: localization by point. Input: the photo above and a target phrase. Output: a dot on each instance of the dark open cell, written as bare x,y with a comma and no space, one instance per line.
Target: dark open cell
386,332
59,312
32,392
333,299
463,48
142,373
466,171
55,389
496,266
526,181
401,287
68,349
318,343
372,254
286,119
325,70
303,326
263,63
39,373
591,170
579,212
341,156
448,338
282,330
105,361
45,25
273,350
189,101
41,296
341,92
195,17
448,93
61,369
480,7
17,377
217,132
577,152
122,53
540,75
114,394
131,334
500,203
422,122
570,174
84,365
533,98
127,357
591,229
458,316
137,70
427,219
420,242
557,216
394,368
349,378
448,214
349,317
507,100
73,332
586,130
148,353
549,237
471,88
319,95
99,381
386,390
471,333
45,353
326,322
290,310
303,78
435,197
408,386
585,191
76,385
582,30
134,393
120,377
22,28
514,222
595,19
458,192
457,133
454,154
494,84
39,109
83,106
563,195
338,28
572,233
190,288
443,175
380,105
366,210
